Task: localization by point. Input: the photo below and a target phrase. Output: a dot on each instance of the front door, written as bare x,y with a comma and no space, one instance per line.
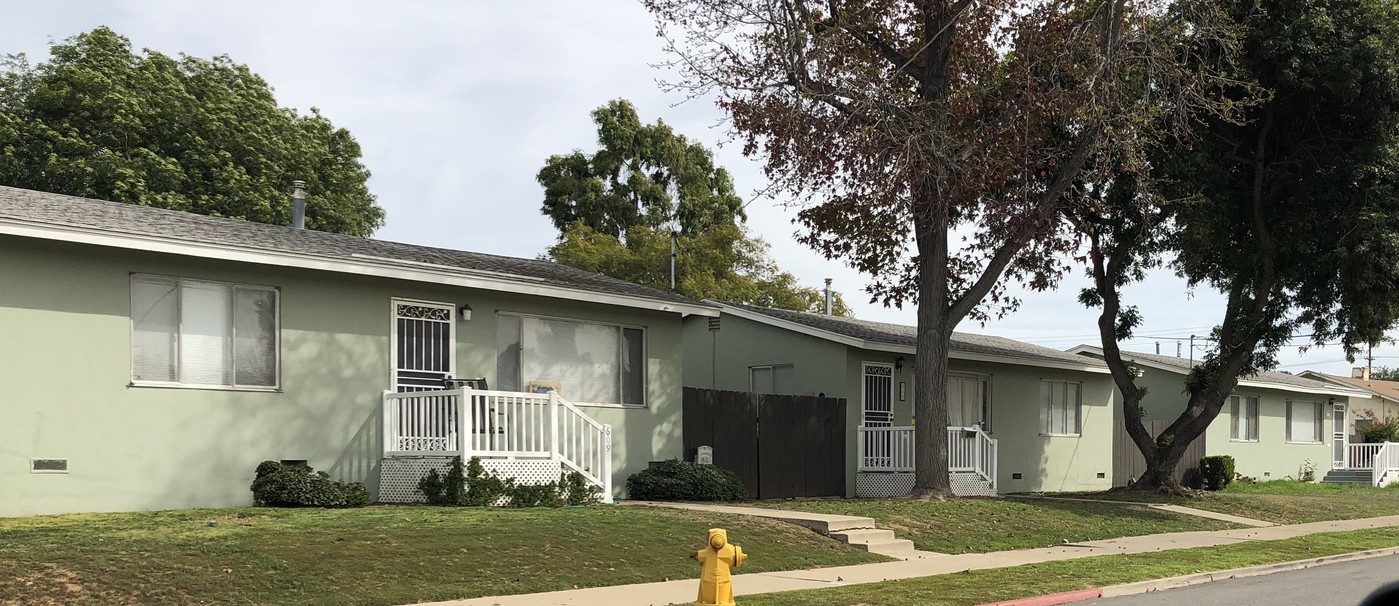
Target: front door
423,345
878,396
1338,436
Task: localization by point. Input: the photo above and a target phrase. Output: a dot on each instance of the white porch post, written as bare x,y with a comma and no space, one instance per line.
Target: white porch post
465,425
554,427
860,448
390,437
607,463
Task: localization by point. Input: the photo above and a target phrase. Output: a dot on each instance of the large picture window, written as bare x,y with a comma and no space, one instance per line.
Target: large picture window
584,361
1304,422
1243,418
1060,403
203,334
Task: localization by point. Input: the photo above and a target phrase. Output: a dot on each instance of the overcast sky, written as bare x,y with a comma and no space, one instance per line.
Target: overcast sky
457,104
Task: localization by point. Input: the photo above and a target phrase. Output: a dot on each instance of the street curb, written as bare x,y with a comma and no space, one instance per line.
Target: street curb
1241,573
1191,580
1053,599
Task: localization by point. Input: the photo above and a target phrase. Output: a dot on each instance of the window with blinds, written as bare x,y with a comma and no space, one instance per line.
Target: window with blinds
584,361
1243,418
203,334
1304,422
1060,406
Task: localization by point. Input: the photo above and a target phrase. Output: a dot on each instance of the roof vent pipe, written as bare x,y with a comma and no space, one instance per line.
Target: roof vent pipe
828,296
298,204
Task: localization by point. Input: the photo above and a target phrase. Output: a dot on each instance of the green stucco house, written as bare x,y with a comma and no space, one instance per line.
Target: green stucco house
1274,425
152,358
1021,418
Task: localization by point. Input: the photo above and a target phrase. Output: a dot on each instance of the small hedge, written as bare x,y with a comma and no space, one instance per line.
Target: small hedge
278,485
472,486
1216,471
676,480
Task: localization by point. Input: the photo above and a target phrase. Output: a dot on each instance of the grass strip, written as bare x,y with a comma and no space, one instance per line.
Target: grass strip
1281,501
982,586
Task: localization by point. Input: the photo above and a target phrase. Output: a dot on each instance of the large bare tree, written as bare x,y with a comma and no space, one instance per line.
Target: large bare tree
931,143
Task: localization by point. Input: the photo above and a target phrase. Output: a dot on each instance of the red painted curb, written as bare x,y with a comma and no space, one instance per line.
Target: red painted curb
1052,599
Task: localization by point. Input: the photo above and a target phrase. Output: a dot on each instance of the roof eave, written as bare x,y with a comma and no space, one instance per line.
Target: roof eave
1126,356
898,348
383,269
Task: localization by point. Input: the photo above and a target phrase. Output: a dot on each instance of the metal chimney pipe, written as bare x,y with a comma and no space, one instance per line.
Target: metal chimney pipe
674,235
828,296
298,204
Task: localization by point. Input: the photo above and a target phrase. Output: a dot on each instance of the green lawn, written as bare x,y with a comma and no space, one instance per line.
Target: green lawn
983,586
1283,501
376,555
979,525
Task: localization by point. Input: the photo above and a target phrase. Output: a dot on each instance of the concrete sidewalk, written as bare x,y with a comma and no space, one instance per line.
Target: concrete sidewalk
922,564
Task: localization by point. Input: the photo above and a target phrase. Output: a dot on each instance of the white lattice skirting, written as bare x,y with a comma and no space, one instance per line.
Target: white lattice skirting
875,485
398,477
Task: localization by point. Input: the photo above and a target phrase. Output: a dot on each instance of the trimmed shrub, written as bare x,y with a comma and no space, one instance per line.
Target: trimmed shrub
278,485
472,486
1381,430
1216,471
676,480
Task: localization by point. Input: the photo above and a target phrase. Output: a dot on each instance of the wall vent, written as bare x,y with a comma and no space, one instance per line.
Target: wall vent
1102,475
48,465
1015,476
714,324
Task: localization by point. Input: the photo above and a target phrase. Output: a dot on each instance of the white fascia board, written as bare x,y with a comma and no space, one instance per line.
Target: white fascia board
1254,383
895,348
358,266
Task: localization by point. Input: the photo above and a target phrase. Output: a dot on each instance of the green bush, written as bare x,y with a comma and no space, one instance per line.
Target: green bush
278,485
1216,471
472,486
676,480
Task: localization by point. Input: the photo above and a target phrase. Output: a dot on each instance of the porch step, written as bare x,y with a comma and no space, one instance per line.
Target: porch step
894,548
1347,476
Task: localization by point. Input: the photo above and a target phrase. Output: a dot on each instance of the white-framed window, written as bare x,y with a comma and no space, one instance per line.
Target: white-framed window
968,401
773,378
1305,422
1060,406
587,362
1243,418
197,333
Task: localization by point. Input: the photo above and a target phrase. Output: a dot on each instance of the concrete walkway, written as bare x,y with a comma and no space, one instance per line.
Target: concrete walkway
1190,511
921,565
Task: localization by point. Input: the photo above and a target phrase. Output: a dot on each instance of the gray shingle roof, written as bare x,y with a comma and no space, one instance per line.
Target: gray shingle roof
129,219
899,334
1184,365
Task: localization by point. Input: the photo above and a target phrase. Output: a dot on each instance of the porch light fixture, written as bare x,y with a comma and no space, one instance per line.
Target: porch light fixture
899,363
465,312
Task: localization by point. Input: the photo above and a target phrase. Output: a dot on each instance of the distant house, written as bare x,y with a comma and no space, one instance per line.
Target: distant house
152,358
1021,418
1274,423
1380,398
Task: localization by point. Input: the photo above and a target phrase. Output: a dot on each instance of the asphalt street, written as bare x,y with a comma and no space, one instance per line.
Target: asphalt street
1330,585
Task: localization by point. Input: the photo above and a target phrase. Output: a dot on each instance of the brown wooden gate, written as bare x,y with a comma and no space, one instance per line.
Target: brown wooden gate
779,446
1129,464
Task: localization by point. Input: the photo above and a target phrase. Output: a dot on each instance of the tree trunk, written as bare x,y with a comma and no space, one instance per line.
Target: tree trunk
931,478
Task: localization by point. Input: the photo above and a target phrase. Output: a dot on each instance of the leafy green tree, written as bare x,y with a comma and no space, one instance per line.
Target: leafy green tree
186,133
1290,211
1385,373
642,174
722,263
616,208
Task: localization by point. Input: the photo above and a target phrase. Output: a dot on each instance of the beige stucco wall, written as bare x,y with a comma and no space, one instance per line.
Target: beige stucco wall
65,365
1272,456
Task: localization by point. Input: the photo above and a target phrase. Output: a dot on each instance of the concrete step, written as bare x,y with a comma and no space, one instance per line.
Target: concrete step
894,548
863,535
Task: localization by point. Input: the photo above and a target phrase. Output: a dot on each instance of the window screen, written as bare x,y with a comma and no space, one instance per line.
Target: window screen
203,333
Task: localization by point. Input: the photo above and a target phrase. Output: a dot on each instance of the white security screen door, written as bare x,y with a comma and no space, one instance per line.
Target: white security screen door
878,394
423,344
1338,436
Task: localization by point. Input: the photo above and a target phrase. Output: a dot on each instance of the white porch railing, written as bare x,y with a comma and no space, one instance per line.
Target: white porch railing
890,449
1361,456
501,425
1385,464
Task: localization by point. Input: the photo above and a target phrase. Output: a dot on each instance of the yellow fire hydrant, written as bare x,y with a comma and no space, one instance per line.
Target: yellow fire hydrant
718,556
